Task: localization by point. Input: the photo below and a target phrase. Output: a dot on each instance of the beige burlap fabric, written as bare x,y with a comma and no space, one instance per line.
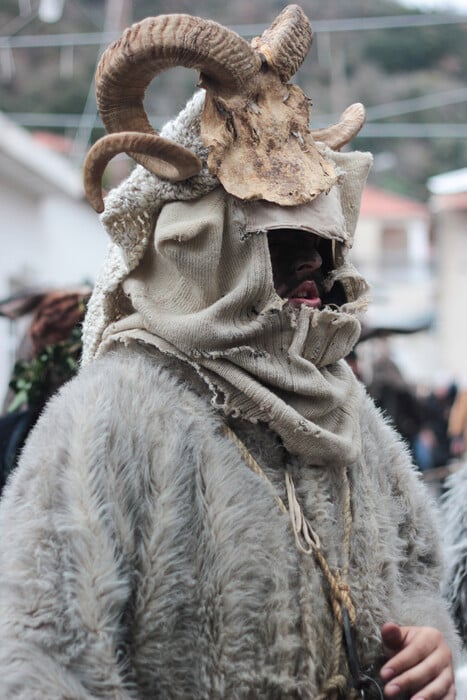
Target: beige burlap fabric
189,273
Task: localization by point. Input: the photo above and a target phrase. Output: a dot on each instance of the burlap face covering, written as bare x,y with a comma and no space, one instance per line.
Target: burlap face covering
203,292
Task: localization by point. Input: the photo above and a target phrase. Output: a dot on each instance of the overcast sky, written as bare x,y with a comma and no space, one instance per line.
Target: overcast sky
458,5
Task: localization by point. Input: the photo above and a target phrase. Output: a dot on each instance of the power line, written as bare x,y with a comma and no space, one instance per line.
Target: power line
398,107
246,30
58,40
53,120
370,130
414,131
117,15
18,23
417,104
363,23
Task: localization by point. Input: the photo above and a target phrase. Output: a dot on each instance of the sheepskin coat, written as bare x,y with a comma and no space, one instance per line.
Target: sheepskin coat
141,558
454,512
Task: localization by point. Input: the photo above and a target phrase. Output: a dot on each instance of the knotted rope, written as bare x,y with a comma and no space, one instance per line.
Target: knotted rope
307,542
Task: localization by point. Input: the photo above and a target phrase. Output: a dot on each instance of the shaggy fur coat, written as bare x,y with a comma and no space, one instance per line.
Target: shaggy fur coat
141,558
454,511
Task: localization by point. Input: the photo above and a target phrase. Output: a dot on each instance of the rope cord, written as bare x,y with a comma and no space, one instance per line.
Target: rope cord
308,542
254,466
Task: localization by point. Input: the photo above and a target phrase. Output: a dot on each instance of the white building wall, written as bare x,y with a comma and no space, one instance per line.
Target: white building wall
366,251
21,233
401,296
53,241
418,244
452,291
74,240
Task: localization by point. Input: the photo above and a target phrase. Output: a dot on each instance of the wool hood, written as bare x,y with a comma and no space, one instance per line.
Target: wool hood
190,274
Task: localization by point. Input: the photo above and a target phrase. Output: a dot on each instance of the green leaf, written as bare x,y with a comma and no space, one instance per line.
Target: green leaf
19,400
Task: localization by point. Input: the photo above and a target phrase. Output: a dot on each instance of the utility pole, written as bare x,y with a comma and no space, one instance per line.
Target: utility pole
335,62
117,17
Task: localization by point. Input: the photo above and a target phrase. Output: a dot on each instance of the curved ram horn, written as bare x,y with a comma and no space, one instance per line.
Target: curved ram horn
151,46
174,161
286,43
350,123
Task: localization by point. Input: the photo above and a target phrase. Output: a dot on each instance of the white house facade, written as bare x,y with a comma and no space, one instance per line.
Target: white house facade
50,236
449,209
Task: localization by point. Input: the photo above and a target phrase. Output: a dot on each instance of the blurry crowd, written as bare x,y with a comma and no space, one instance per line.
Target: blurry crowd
47,355
431,419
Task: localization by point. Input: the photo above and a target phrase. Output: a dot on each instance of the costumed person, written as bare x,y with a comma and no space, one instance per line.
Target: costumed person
457,423
213,507
454,511
46,358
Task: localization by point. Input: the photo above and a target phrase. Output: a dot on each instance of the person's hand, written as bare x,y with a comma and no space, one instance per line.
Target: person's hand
419,664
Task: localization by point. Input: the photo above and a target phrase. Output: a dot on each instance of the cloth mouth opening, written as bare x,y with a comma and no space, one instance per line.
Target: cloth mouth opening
301,264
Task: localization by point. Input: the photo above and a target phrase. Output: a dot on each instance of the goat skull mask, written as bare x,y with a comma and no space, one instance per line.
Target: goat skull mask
255,125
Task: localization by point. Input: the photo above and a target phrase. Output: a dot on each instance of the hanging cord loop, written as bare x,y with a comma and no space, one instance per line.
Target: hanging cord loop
308,543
